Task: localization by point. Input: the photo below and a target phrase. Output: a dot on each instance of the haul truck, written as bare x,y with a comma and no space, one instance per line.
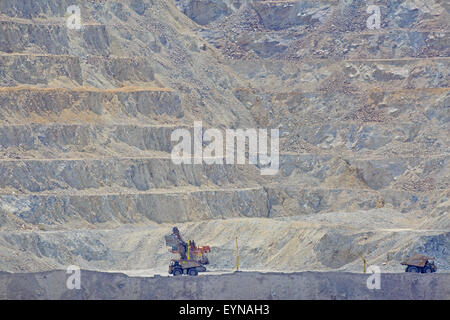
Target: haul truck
420,264
192,258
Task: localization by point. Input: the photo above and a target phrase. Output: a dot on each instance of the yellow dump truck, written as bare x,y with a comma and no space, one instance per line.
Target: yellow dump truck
192,257
189,267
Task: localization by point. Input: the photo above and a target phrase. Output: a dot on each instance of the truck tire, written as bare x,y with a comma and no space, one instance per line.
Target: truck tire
427,269
177,272
412,269
193,272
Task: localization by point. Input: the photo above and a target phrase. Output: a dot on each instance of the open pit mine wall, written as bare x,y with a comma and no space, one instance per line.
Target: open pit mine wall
241,285
86,118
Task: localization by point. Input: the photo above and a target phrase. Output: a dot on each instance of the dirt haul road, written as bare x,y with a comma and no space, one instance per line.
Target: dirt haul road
234,286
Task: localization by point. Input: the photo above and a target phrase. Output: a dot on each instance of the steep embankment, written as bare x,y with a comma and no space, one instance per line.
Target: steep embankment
86,117
242,285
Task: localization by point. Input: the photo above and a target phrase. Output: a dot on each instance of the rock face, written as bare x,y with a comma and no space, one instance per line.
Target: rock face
86,119
242,285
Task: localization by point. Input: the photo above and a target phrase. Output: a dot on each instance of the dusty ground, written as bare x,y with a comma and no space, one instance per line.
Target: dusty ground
324,241
242,285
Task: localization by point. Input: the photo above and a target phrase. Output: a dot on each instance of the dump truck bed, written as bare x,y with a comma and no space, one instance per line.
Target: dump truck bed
418,260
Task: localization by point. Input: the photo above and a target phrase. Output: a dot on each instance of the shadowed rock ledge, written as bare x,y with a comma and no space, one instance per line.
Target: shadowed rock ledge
241,285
